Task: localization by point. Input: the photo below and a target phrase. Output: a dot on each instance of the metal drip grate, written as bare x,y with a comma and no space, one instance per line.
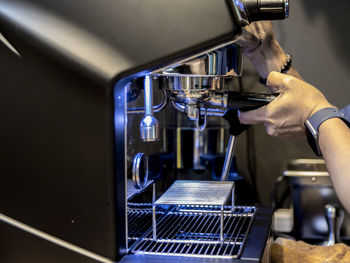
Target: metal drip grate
197,233
139,221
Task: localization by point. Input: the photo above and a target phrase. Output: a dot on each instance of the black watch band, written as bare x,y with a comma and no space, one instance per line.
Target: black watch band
314,122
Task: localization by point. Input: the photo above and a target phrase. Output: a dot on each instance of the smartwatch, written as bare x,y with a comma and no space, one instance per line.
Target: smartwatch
313,124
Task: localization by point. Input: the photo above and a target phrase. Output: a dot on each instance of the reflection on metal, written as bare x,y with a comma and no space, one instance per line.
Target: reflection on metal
195,113
225,61
198,141
149,127
132,191
188,192
228,158
192,112
209,142
8,44
253,10
140,170
335,217
179,161
156,108
192,89
195,232
197,80
307,165
53,239
221,147
305,173
196,193
201,123
209,111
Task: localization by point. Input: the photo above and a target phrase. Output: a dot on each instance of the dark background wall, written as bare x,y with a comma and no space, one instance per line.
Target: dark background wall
317,34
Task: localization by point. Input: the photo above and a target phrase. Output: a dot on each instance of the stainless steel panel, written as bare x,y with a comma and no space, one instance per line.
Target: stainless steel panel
184,192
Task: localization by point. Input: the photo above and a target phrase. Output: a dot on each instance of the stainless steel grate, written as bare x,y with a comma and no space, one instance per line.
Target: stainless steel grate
197,233
139,221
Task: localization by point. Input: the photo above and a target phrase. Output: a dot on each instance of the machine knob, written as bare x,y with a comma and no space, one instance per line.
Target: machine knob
334,216
267,9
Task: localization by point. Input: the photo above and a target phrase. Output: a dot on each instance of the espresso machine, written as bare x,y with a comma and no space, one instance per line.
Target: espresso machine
109,111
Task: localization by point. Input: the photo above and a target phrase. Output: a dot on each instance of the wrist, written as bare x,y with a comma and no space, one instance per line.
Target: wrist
321,106
267,58
314,123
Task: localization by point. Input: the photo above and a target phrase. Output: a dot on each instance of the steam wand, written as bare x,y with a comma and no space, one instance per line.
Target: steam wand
149,126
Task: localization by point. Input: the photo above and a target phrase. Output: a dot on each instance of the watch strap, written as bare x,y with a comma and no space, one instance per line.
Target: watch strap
314,122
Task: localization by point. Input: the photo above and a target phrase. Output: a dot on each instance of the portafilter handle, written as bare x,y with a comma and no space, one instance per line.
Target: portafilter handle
334,216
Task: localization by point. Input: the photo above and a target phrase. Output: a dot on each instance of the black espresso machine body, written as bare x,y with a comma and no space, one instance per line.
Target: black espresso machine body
63,72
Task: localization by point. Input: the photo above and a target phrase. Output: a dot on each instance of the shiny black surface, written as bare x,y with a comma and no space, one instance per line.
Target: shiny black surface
56,162
106,38
22,247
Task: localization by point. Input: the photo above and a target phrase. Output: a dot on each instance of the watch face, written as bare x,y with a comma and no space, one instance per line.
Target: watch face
314,122
312,142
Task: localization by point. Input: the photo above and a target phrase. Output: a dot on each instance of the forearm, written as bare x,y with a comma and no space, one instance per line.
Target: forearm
334,141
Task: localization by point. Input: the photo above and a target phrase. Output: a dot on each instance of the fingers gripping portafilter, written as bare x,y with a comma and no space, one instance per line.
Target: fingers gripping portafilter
195,86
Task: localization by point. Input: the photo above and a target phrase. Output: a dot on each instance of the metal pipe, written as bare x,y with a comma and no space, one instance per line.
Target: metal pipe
148,96
156,108
233,198
222,224
149,126
228,158
154,222
210,111
154,194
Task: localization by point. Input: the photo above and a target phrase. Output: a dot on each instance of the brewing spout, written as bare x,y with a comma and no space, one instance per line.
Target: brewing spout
149,126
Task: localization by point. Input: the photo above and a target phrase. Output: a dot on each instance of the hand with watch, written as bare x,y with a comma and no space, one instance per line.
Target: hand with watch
298,105
294,112
301,109
314,122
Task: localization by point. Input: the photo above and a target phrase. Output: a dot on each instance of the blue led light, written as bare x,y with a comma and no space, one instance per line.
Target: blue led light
240,5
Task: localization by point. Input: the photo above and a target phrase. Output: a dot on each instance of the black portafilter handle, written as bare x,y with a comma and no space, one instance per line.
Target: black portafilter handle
236,128
266,9
243,102
231,115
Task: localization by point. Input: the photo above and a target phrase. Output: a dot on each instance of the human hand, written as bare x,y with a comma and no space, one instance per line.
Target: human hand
260,46
256,36
285,116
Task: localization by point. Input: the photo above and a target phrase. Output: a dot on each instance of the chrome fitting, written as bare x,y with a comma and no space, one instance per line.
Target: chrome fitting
149,126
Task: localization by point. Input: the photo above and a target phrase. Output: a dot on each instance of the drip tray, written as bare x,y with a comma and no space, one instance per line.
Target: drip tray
196,232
